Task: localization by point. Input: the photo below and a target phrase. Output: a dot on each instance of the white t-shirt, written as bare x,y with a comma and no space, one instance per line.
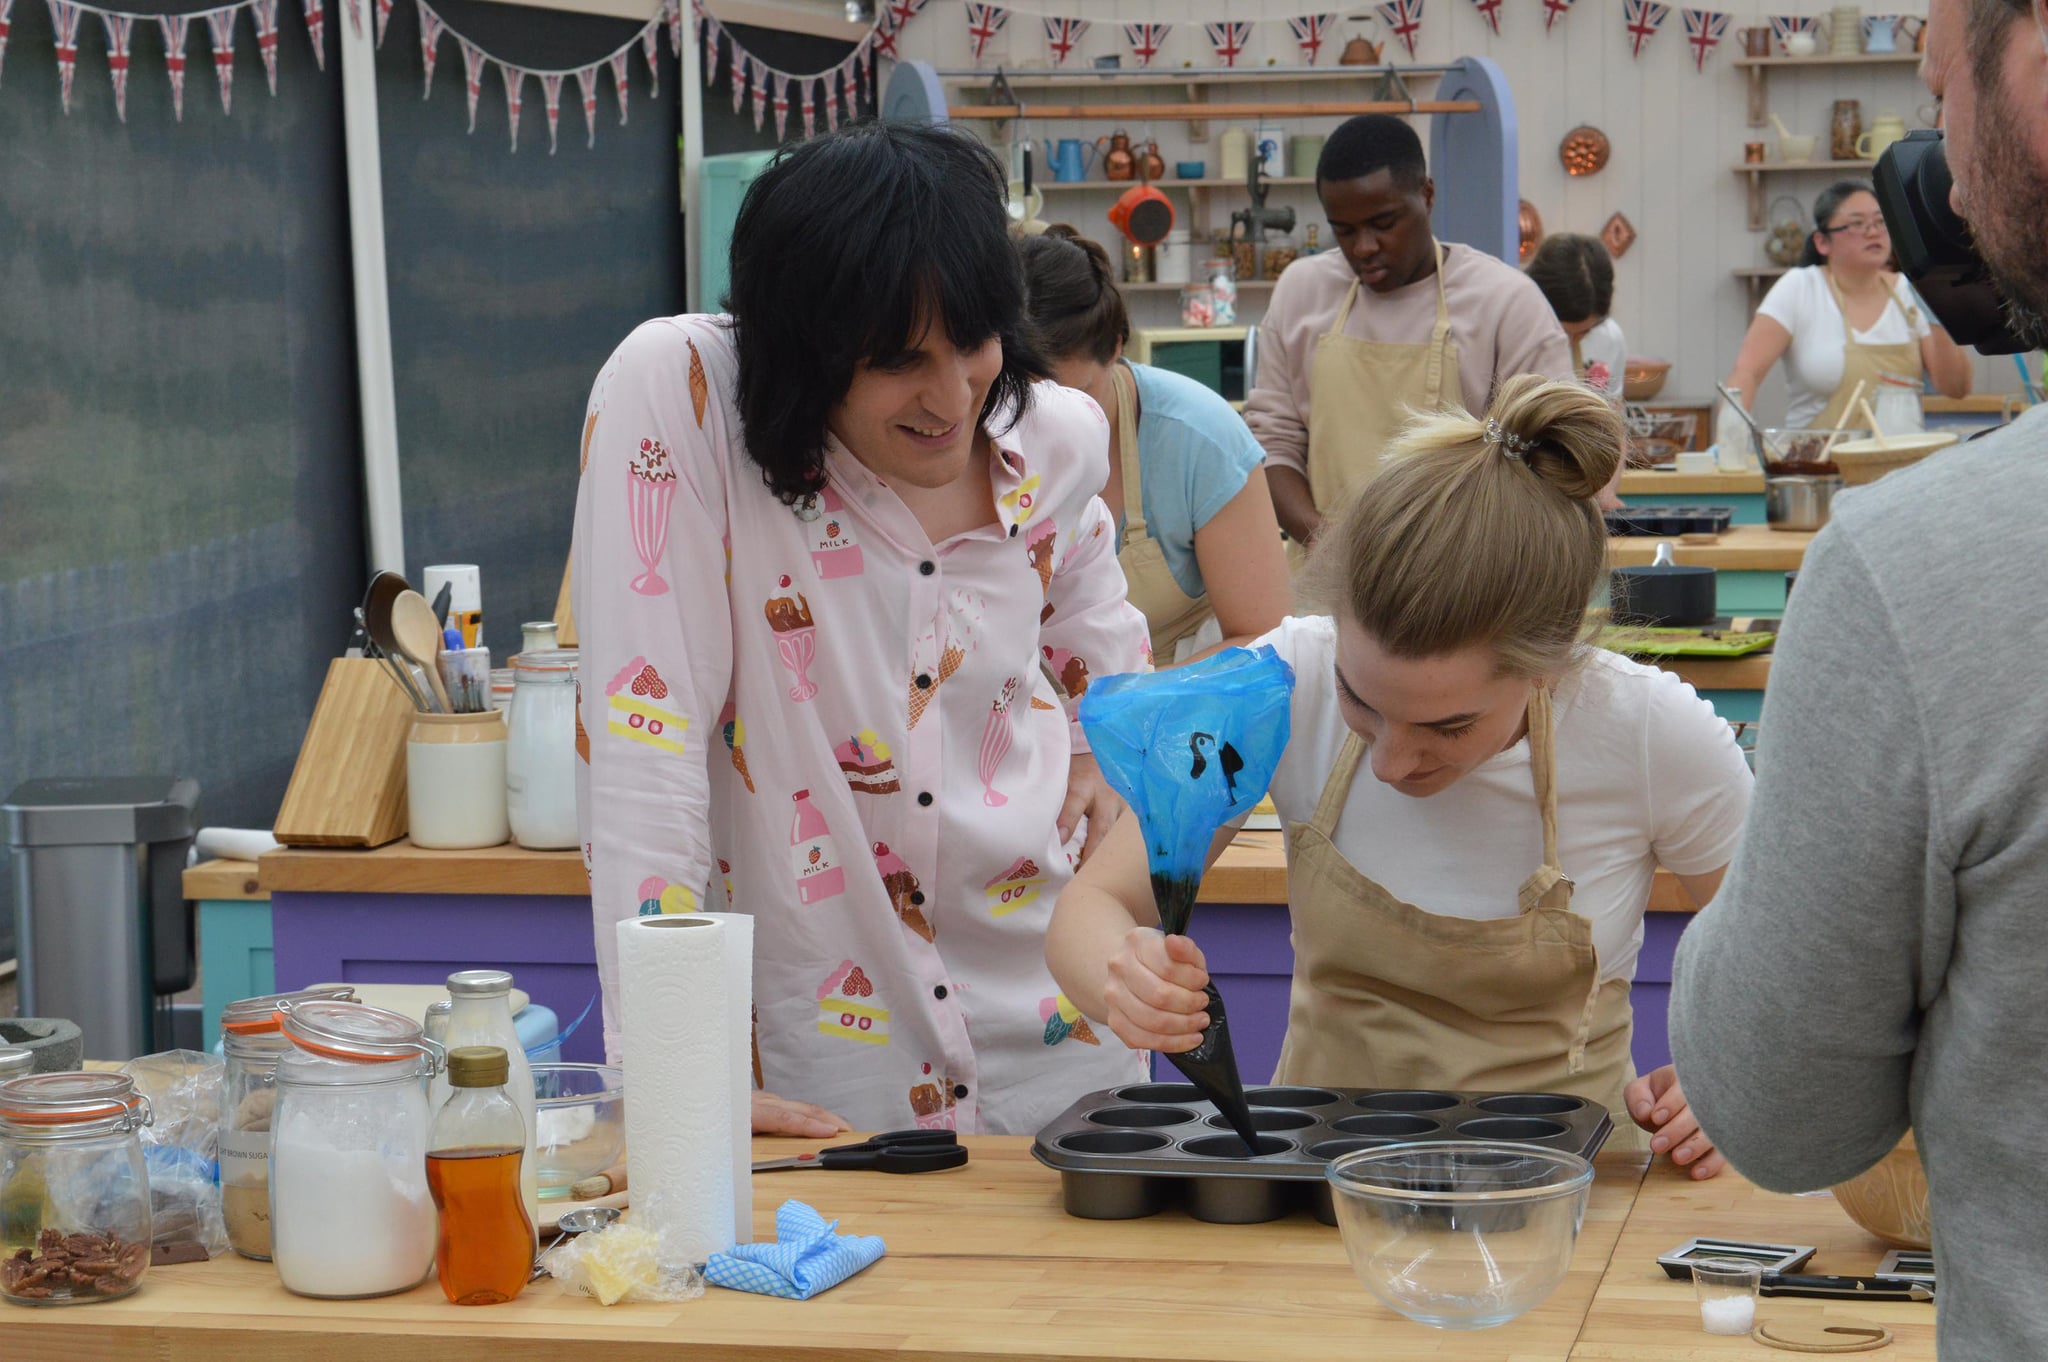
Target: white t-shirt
1605,353
1803,304
1647,774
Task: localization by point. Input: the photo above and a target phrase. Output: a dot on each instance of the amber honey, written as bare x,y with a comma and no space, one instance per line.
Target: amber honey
484,1253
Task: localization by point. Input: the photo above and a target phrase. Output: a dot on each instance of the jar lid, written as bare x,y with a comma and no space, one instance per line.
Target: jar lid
355,1032
478,1066
558,660
479,983
260,1016
64,1099
15,1061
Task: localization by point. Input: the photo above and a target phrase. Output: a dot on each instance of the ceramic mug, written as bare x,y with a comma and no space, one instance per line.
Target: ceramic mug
1756,42
1190,170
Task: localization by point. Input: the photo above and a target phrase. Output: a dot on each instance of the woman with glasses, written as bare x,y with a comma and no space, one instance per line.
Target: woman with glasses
1843,317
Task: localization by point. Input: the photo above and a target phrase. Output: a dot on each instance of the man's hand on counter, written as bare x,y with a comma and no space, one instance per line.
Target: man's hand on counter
1658,1105
781,1116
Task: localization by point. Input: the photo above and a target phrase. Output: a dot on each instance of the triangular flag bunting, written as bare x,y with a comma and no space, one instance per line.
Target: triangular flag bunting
674,10
383,18
983,23
266,38
780,84
1785,25
1309,32
355,16
1405,18
316,30
1704,29
430,44
222,24
1553,10
1063,36
1229,38
5,6
650,46
828,91
757,76
901,12
882,37
1642,18
118,27
472,74
586,85
64,18
515,77
1146,40
810,106
619,82
707,38
738,71
173,27
1490,11
551,93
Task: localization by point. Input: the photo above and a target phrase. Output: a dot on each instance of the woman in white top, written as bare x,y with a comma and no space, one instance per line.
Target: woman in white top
1456,744
1844,317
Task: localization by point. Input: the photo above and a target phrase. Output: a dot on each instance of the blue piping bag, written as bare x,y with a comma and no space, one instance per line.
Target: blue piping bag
1190,749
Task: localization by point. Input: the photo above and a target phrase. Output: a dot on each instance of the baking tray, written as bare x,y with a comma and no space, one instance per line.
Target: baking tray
1668,642
1664,520
1132,1151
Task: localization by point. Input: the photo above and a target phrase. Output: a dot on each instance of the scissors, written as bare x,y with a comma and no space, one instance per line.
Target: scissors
899,1151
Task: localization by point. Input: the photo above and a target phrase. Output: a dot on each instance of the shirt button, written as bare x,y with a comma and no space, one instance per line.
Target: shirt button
924,681
1013,532
917,898
940,993
960,1091
927,567
924,799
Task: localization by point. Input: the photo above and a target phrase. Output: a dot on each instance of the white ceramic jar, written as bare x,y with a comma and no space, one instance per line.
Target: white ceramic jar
1173,258
540,765
455,780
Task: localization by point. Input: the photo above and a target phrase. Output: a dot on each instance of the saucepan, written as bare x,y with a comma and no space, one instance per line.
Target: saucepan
1799,503
1663,594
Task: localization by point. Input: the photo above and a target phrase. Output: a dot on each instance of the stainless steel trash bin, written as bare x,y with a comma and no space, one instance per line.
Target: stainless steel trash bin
101,926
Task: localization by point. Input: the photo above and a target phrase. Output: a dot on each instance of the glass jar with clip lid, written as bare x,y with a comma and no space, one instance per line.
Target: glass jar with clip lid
74,1195
350,1212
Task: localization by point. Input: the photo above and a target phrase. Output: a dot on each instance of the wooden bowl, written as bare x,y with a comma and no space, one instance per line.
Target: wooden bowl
1642,379
1863,461
1890,1199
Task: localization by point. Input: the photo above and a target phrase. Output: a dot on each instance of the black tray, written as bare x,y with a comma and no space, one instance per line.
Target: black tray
1642,520
1127,1152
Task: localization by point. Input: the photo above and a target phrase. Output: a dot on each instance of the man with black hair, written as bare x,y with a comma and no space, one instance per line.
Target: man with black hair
1391,320
1875,960
841,576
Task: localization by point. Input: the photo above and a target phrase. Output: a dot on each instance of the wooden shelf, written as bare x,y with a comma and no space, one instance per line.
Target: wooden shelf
1242,285
1200,112
1757,68
1208,182
1755,173
1757,279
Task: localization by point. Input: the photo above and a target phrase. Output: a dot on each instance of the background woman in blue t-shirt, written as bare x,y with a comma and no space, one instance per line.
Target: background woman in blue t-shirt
1197,535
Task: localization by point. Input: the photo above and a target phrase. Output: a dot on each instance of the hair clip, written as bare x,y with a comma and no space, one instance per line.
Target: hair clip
1514,446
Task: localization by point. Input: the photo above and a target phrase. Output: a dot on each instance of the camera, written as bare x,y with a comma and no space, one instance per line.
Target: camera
1933,244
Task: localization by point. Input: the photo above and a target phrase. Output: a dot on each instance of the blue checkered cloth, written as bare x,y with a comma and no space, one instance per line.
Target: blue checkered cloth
807,1257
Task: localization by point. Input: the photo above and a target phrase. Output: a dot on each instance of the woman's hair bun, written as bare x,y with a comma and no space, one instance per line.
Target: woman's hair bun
1567,434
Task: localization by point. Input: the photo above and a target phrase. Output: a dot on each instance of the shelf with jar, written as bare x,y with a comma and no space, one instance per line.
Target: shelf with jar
1758,70
1754,172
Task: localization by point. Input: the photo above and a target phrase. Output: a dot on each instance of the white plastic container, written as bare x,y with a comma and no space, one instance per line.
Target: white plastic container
455,780
1731,439
1173,258
540,762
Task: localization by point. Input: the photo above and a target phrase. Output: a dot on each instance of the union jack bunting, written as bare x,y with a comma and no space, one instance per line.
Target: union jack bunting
1785,25
515,77
1309,30
810,106
586,86
708,31
383,18
738,71
1704,29
222,24
1063,36
828,92
618,64
650,47
265,12
316,29
1404,17
64,16
983,23
1489,10
673,12
902,12
431,28
1146,40
1229,38
5,6
118,27
551,95
780,85
882,38
472,74
1643,18
355,16
173,28
1553,10
758,75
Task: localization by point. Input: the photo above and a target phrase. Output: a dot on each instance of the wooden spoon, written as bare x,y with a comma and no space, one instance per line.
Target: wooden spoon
418,636
1848,410
1863,405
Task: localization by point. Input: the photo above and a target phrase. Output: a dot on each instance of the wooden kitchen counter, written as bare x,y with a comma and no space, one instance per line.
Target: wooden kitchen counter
982,1264
1651,482
1742,548
1252,871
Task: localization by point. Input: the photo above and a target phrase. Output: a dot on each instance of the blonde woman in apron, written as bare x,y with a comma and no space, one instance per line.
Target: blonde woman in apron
1476,801
1843,318
1199,546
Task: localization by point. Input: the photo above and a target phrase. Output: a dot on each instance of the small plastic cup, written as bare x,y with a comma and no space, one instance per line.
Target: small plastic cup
1726,1288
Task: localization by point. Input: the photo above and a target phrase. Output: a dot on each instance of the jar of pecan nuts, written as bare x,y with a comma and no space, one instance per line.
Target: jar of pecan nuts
74,1197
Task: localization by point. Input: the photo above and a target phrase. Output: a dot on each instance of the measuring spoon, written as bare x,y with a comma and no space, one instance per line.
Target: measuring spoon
582,1220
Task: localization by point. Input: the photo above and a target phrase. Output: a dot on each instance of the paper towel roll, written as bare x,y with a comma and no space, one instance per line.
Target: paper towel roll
675,1012
739,998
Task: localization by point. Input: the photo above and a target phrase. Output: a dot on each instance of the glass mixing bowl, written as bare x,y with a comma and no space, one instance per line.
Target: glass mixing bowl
1460,1234
580,1112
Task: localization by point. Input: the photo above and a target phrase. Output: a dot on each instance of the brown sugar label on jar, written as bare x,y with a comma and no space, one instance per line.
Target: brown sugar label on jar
245,1189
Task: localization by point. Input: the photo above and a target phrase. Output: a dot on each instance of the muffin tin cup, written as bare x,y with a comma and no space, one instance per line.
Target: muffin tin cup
1123,1153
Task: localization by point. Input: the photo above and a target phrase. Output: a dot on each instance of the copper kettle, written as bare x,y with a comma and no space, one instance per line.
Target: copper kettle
1118,163
1361,51
1151,164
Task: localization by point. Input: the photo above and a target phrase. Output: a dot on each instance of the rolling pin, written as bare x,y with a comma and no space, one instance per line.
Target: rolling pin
600,1184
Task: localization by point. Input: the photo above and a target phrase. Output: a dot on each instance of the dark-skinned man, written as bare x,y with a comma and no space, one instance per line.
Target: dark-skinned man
1390,320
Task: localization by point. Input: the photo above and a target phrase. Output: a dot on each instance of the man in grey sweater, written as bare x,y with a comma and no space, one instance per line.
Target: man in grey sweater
1879,952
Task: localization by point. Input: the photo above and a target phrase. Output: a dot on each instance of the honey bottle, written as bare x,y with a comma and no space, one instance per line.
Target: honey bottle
484,1253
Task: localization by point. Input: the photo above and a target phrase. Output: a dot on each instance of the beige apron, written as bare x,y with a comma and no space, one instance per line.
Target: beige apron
1361,393
1863,363
1387,995
1171,612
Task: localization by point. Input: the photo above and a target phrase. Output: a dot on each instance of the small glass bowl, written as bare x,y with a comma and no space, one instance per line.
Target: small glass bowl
580,1112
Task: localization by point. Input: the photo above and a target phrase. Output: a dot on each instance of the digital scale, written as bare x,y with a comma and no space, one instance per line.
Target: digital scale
1904,1274
1677,1264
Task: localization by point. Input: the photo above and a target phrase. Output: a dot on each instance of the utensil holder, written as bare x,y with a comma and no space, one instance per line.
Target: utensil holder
348,788
455,780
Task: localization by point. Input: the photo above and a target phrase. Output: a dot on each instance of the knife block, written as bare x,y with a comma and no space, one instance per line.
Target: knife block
348,788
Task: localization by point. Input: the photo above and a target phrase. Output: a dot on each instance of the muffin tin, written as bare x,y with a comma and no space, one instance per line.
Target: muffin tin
1645,520
1128,1152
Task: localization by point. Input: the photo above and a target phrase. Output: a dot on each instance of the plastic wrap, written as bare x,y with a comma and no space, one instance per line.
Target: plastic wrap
179,1147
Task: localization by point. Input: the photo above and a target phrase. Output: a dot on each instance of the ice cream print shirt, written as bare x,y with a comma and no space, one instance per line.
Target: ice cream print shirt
814,714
